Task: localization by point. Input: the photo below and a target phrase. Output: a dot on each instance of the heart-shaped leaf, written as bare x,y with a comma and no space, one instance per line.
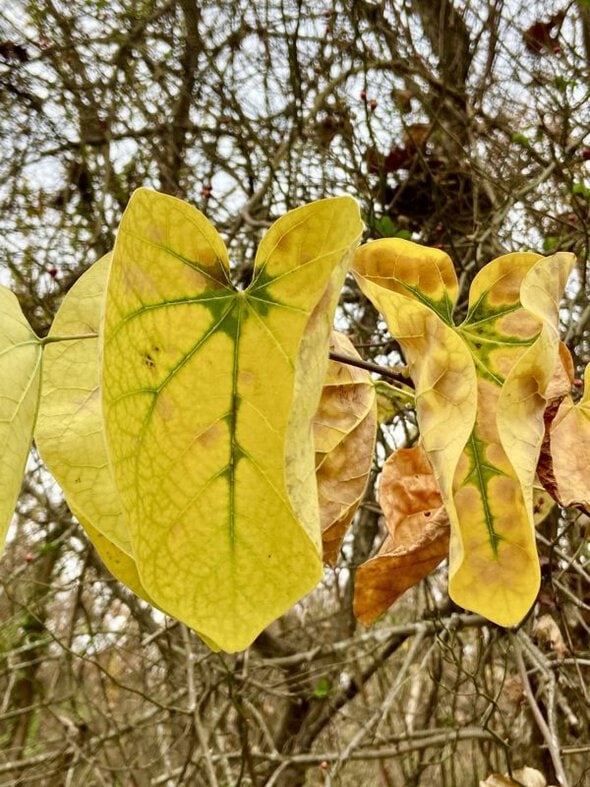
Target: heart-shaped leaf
209,395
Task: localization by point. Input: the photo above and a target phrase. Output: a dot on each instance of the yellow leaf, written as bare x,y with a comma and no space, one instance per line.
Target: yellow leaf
480,401
209,395
523,398
20,374
418,534
69,431
345,427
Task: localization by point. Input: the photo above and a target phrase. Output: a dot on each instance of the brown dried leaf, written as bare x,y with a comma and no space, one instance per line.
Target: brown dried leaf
547,632
342,478
407,488
344,430
382,579
419,534
416,135
557,392
542,37
347,397
564,468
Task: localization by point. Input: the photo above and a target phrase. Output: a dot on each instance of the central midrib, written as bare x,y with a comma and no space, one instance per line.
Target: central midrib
233,417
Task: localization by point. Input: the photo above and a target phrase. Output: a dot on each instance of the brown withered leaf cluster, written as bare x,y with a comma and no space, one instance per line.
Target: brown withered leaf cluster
344,432
418,536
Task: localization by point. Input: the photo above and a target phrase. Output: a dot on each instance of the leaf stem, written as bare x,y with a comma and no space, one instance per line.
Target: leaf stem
384,371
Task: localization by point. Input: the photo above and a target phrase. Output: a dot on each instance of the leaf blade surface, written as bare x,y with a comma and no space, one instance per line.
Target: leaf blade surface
209,397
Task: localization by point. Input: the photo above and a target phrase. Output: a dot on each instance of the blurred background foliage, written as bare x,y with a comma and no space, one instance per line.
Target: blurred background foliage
461,125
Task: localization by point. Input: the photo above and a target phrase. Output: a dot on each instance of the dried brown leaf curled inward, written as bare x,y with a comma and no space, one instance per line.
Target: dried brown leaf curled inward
345,427
418,534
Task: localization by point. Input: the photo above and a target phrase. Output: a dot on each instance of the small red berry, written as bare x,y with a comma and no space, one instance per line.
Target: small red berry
578,383
373,105
586,154
324,765
29,557
52,272
206,191
363,95
572,218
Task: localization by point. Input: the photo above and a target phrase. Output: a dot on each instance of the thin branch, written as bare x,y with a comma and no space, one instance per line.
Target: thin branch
384,371
548,734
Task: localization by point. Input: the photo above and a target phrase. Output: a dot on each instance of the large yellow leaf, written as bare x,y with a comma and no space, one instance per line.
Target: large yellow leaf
345,428
494,568
69,431
480,400
209,395
20,374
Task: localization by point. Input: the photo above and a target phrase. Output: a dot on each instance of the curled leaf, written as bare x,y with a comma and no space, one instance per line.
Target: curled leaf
418,534
345,427
347,397
547,632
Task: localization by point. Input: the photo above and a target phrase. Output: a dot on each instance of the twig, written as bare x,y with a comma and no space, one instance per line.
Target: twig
381,712
548,733
193,707
442,738
372,367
